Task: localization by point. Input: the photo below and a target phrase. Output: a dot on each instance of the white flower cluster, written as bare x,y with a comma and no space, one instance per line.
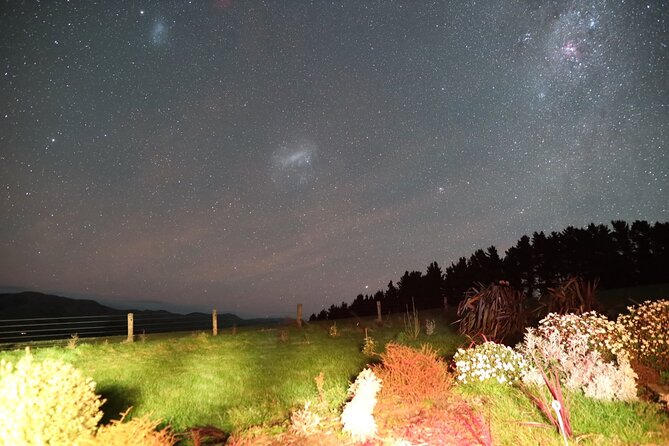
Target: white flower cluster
600,333
357,416
644,331
489,361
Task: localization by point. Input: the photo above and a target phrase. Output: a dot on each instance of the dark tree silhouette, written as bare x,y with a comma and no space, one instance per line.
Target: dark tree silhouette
619,256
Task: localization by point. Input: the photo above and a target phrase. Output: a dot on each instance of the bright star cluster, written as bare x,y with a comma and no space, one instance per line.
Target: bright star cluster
253,155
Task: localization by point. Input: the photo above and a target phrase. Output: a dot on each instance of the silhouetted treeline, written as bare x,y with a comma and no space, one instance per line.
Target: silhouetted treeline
619,256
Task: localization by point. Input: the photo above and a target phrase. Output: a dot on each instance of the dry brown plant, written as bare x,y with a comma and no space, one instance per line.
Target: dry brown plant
413,375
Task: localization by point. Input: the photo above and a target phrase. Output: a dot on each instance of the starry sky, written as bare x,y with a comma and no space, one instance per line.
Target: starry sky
252,155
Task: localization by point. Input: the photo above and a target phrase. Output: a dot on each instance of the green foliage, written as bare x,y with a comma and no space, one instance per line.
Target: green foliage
496,311
574,295
645,333
47,402
489,361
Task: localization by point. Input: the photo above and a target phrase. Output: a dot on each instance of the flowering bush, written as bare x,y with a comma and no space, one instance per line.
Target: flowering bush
644,332
47,402
489,361
579,365
357,416
596,330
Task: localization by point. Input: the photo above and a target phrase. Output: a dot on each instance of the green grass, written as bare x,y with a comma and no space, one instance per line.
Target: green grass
515,420
254,378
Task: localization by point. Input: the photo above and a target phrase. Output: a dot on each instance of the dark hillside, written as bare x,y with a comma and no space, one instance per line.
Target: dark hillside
31,305
33,316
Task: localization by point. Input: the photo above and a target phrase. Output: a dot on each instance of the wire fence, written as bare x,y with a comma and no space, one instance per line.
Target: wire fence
15,332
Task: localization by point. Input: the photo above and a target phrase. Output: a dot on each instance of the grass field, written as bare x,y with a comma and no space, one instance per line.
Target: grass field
257,376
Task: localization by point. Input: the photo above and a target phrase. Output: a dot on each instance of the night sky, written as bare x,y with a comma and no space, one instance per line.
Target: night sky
249,156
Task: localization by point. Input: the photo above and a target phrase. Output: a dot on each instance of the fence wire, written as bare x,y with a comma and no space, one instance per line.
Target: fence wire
21,331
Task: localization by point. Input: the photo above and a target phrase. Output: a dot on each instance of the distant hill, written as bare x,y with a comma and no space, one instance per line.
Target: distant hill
27,316
32,305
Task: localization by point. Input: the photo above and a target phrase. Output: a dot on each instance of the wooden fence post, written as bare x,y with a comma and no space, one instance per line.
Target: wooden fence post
131,327
299,315
378,312
214,323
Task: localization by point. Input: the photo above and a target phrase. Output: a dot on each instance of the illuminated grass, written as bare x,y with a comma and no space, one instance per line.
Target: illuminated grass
515,420
255,378
230,382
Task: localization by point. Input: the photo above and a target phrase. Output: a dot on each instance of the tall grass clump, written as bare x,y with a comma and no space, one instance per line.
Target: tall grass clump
412,323
574,295
496,311
47,402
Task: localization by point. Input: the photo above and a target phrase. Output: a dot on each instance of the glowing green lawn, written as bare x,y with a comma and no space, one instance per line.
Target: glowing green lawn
256,377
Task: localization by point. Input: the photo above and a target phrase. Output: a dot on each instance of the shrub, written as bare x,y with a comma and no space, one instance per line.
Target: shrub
644,333
46,402
304,422
430,327
368,348
599,333
574,295
413,375
580,366
496,311
489,361
73,341
357,417
140,431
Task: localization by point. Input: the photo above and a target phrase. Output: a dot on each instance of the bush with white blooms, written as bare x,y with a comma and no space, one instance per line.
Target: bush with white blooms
489,361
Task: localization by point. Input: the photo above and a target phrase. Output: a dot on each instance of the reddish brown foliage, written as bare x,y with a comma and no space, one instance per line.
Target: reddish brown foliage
574,295
413,375
435,427
496,311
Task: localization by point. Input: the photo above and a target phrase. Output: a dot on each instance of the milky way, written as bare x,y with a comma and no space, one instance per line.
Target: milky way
250,156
